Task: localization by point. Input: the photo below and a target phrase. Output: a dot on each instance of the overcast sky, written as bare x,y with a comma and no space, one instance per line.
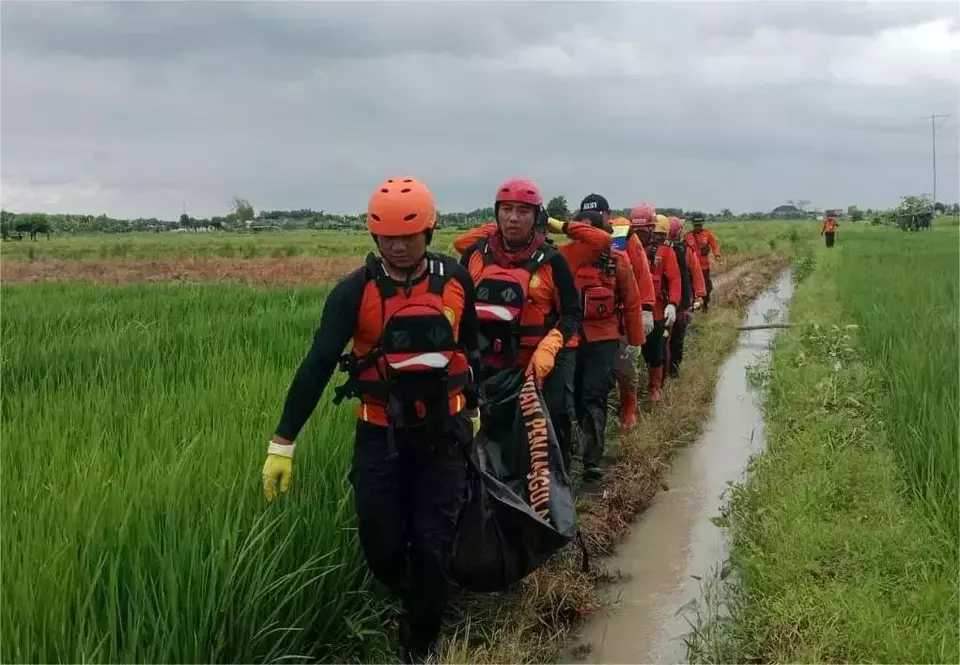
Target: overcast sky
135,108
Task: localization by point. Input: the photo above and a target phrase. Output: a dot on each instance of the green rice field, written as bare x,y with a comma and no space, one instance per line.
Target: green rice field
136,420
846,532
904,291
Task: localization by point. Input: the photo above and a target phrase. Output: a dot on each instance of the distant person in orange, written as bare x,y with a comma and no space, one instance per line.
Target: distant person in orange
538,324
703,243
611,303
829,230
668,286
694,290
625,238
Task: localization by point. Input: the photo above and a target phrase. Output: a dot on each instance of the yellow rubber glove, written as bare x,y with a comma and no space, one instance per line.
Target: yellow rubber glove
474,417
541,364
278,468
555,225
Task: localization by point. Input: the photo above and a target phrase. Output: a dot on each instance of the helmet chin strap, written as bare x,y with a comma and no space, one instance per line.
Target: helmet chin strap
404,275
520,245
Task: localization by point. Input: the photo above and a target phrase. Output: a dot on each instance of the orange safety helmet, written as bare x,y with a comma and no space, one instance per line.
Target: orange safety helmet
643,215
401,207
676,228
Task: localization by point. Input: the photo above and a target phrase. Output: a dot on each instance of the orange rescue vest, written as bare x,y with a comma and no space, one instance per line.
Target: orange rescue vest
506,324
417,365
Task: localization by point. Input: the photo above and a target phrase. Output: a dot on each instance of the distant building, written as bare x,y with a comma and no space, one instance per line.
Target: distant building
790,211
787,211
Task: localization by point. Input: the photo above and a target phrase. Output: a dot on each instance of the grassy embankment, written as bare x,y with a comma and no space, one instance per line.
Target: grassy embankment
134,528
845,536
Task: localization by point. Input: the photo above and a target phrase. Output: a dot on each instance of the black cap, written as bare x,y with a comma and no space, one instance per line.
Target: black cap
595,202
696,217
591,217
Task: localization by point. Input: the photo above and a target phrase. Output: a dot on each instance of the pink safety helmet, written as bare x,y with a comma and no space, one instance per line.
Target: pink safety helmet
519,190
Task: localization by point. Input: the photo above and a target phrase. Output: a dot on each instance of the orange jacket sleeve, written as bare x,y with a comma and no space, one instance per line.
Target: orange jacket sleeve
696,273
465,240
630,297
672,269
714,245
588,243
641,271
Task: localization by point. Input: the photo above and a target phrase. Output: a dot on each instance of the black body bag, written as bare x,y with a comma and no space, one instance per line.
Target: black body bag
519,508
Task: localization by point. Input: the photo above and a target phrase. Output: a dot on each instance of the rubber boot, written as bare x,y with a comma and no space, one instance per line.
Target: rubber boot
628,407
656,381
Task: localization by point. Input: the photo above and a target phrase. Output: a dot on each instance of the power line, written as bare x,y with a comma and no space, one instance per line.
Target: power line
933,137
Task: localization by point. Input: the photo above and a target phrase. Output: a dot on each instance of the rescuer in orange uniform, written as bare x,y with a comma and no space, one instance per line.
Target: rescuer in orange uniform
410,314
703,243
528,307
668,287
694,290
829,230
611,303
625,238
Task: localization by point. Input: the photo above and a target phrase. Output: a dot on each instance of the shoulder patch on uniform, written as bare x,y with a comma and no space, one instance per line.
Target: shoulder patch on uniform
450,314
534,280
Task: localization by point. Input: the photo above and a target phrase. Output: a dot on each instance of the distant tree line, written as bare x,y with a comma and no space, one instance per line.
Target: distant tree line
243,217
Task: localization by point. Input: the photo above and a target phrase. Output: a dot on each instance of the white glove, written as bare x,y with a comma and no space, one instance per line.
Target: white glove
698,303
647,322
630,352
670,312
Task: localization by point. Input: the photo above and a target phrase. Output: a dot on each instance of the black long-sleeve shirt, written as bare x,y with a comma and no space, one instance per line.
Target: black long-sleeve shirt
570,310
337,328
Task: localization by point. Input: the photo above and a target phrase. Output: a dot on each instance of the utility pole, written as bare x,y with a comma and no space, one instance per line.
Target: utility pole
933,137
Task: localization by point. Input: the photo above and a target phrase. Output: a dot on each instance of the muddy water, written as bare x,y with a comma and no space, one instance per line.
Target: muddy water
675,542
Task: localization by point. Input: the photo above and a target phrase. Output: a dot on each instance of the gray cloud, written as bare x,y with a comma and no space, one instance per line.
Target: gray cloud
133,108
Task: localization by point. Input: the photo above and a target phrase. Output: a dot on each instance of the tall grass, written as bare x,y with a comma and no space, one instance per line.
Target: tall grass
832,561
761,237
903,290
135,421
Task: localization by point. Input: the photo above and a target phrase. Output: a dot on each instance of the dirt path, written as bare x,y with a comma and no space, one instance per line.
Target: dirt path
261,271
734,273
676,543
